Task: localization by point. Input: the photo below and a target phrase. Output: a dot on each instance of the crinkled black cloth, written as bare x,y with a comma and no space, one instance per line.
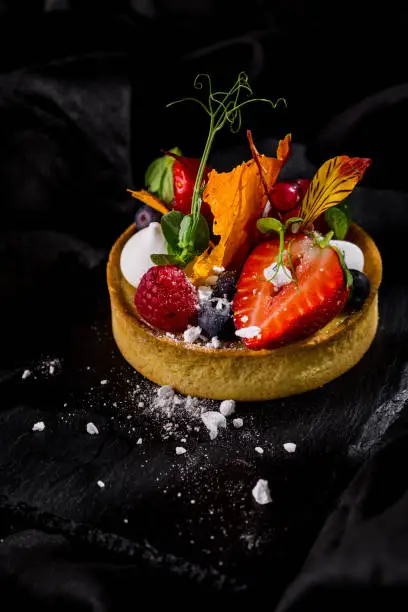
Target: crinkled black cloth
183,529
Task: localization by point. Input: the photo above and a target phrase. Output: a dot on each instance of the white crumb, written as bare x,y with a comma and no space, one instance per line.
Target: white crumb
261,492
104,382
140,405
294,228
290,447
238,423
204,293
248,332
213,422
140,441
254,291
278,275
39,426
218,269
26,374
180,450
170,335
214,343
101,484
165,392
259,450
244,319
125,520
52,369
227,407
192,334
92,429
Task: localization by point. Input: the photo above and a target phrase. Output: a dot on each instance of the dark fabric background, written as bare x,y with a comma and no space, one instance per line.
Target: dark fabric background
82,96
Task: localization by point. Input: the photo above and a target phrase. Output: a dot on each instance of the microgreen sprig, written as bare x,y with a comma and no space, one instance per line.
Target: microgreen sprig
223,108
269,224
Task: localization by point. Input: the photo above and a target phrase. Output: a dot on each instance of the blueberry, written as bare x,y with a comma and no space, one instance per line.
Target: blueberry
226,285
215,318
146,215
360,289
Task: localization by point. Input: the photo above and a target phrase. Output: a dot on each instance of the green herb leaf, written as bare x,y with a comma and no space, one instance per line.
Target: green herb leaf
338,219
184,240
170,224
159,176
268,224
347,274
162,260
202,236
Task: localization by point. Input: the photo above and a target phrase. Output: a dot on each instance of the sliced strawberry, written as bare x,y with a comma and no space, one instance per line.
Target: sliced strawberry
291,312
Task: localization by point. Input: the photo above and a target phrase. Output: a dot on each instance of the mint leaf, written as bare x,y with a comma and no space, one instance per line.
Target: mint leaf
202,236
170,224
159,176
162,260
338,220
268,224
184,237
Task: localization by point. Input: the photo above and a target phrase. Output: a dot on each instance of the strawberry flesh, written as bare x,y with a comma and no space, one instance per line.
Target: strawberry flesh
289,313
185,171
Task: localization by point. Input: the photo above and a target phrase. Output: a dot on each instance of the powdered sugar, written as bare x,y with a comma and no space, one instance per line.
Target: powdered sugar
26,374
290,447
39,426
279,275
259,450
238,423
180,450
214,343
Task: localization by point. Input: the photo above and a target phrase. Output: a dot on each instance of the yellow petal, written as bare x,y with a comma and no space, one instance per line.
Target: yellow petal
150,200
331,184
237,200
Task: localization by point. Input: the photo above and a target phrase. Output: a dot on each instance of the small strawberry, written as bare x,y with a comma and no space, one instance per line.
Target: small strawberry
166,299
292,311
172,178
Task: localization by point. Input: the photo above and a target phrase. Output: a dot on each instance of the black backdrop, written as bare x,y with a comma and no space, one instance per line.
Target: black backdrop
82,95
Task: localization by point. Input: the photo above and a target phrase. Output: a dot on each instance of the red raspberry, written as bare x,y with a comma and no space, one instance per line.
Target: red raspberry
166,299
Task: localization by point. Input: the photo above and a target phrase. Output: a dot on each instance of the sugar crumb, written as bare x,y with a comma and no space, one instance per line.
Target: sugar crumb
104,382
213,422
191,334
248,332
26,374
92,429
101,484
139,441
290,447
259,450
39,426
238,423
180,450
227,407
261,492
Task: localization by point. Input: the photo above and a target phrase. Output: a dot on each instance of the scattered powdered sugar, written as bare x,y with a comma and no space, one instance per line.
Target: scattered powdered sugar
290,447
180,450
39,426
238,423
279,275
244,319
218,269
104,382
26,374
227,407
139,441
170,335
213,422
191,334
165,392
101,484
248,332
259,450
261,492
92,429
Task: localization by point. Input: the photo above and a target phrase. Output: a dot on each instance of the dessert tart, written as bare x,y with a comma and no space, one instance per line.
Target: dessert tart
239,286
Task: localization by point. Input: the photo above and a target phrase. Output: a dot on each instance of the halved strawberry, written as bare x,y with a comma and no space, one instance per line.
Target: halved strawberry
291,312
184,175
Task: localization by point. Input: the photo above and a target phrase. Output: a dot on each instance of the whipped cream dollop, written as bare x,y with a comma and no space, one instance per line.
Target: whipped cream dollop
135,257
353,255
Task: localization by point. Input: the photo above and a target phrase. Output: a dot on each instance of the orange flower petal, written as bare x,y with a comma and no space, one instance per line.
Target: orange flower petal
237,200
150,200
331,184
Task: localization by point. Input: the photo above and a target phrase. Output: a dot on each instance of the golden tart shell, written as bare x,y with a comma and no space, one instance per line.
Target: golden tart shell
236,372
